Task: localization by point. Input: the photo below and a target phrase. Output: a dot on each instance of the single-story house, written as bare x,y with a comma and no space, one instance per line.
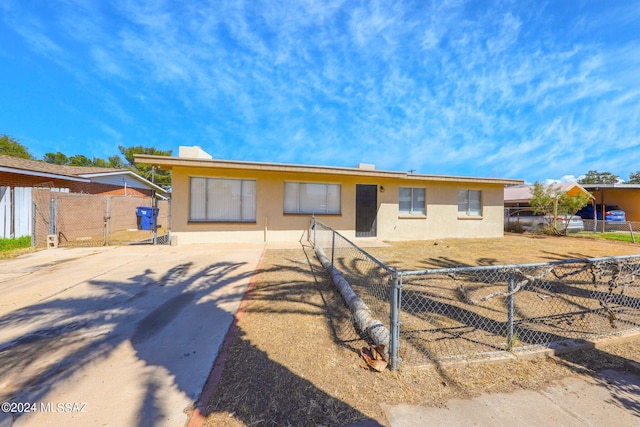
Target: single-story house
625,196
16,172
238,201
519,196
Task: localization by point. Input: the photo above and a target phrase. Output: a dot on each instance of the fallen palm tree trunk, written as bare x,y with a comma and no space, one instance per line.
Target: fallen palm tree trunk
378,333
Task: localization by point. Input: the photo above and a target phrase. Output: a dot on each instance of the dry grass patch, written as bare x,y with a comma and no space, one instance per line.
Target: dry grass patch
295,358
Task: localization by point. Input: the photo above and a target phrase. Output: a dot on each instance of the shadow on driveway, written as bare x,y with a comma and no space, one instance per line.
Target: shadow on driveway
129,348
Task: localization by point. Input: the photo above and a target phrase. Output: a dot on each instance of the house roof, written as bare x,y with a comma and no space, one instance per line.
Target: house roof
522,193
38,168
597,187
170,162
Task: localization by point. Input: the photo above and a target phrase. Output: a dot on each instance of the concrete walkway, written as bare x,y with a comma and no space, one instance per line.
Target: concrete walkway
115,336
611,398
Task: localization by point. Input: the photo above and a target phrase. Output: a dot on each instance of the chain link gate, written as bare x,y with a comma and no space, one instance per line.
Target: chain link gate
69,219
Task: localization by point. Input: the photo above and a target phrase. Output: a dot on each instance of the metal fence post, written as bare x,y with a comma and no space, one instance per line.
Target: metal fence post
154,215
52,216
394,342
510,313
34,206
333,246
633,238
106,214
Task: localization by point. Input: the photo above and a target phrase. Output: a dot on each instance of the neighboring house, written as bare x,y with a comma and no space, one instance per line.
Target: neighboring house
17,172
519,196
23,181
236,201
625,196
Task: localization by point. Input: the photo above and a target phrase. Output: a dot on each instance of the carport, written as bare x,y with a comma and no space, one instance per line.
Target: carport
625,196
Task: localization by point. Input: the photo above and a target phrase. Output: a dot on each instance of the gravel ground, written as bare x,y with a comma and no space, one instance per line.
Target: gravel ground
295,358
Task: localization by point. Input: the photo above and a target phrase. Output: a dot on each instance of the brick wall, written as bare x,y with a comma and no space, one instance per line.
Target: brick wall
14,180
41,197
105,189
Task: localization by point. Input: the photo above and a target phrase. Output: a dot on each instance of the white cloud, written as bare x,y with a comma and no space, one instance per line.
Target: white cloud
445,87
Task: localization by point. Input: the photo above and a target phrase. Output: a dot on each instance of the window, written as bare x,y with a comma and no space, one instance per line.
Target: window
229,200
309,198
469,203
412,201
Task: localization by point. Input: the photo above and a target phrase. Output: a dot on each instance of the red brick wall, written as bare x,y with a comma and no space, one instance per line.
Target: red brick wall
41,197
111,190
14,180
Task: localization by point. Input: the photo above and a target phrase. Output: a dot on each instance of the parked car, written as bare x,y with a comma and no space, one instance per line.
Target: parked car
571,223
524,220
528,220
612,213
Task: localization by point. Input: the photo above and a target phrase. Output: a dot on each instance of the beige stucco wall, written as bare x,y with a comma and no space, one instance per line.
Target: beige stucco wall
442,219
272,225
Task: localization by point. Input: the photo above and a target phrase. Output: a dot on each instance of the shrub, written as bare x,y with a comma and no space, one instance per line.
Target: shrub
15,243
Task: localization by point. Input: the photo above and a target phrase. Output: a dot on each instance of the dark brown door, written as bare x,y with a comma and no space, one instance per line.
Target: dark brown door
366,210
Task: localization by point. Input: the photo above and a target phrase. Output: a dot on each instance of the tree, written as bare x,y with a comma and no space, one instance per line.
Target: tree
59,158
56,158
159,177
80,160
11,147
553,201
116,162
595,177
634,178
112,162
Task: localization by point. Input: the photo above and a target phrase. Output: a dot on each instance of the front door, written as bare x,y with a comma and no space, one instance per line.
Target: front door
366,210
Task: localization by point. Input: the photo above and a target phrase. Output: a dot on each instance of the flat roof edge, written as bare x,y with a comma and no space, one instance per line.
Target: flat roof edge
171,162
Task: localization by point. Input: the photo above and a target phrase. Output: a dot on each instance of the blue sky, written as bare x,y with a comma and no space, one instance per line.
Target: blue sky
514,89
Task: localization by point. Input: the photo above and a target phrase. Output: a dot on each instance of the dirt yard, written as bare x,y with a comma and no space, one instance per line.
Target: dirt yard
295,358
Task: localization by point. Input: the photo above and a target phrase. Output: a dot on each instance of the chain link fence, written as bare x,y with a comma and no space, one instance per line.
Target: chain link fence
479,312
521,219
69,219
624,227
366,285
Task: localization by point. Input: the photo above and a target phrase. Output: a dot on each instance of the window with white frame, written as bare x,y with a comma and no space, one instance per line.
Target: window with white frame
412,201
469,203
224,200
311,198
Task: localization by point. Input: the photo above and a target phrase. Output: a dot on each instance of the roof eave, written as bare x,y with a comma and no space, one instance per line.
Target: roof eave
166,162
134,175
43,174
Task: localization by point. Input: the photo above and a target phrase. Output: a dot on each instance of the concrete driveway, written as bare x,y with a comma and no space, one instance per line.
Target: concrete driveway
115,336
